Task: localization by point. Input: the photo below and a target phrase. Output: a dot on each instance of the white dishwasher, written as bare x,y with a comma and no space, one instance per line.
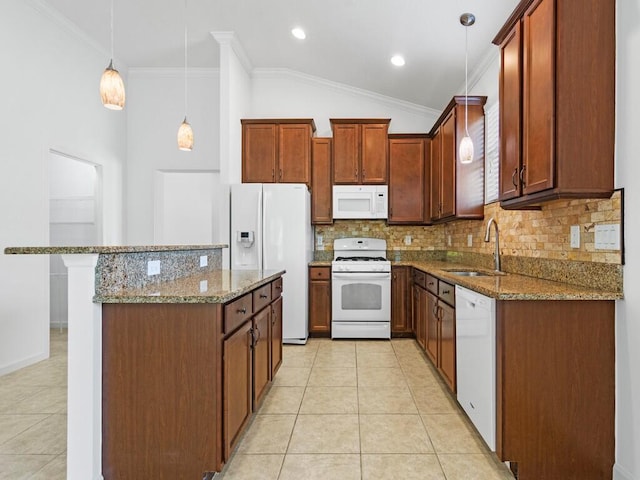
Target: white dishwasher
476,360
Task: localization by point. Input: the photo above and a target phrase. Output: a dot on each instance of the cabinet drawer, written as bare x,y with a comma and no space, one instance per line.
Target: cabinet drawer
236,312
261,297
319,273
432,284
447,292
419,278
276,288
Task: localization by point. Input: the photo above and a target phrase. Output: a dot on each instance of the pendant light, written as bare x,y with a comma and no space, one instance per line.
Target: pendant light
466,144
111,84
185,133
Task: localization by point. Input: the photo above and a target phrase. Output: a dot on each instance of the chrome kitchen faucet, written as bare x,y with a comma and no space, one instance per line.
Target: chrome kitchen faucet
487,235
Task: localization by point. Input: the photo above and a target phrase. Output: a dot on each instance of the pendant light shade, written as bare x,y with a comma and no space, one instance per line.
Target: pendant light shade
111,84
465,152
185,136
112,88
185,132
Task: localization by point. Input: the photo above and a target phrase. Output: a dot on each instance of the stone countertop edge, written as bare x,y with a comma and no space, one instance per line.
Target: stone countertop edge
97,249
510,286
188,289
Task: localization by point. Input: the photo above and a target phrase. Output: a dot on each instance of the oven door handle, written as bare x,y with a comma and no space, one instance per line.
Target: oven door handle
362,275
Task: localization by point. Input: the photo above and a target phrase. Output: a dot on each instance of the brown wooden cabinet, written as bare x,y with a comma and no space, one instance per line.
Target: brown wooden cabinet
237,386
401,322
360,151
457,189
433,324
557,102
276,336
277,150
419,306
321,178
409,179
555,384
320,301
261,355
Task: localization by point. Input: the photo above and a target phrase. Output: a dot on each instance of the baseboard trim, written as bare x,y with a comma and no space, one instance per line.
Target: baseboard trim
620,473
25,362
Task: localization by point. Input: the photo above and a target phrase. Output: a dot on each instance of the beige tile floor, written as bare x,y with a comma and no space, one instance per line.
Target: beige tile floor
360,410
33,418
337,410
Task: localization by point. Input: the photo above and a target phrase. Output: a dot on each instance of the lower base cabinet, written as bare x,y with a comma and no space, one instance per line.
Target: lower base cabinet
320,301
181,381
401,321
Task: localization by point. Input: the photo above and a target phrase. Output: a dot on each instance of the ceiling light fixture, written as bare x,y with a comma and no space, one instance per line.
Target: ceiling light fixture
397,60
185,133
111,84
298,33
466,144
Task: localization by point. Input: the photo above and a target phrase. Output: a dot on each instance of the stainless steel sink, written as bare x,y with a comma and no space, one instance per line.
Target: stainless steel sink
468,273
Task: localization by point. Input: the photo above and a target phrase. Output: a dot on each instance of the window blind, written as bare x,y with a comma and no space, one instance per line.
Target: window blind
492,154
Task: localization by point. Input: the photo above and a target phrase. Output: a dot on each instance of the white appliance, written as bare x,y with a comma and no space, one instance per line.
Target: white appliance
360,201
476,360
271,230
360,289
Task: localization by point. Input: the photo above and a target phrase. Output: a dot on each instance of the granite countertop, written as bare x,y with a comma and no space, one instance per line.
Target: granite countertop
320,263
105,249
509,286
219,286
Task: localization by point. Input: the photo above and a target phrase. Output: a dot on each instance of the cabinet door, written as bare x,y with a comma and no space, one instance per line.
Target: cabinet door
346,153
374,153
276,336
259,152
261,355
419,313
294,159
510,114
436,169
406,180
539,95
321,187
432,328
448,166
320,300
236,379
448,345
400,320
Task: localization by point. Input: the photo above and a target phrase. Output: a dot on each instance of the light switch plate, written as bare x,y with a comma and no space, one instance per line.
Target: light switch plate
469,240
319,240
575,236
449,240
204,286
153,267
203,261
407,239
607,237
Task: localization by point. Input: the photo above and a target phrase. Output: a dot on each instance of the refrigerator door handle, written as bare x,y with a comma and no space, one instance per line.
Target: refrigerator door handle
259,227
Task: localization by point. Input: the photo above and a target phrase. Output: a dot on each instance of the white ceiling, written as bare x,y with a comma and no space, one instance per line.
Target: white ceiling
348,41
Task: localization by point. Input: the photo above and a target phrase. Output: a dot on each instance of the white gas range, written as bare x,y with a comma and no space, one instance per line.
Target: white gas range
361,289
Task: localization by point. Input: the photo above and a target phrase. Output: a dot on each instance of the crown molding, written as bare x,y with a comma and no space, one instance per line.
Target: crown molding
278,73
230,39
173,72
490,56
59,20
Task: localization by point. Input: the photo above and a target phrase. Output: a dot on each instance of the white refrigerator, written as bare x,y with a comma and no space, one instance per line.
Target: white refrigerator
271,230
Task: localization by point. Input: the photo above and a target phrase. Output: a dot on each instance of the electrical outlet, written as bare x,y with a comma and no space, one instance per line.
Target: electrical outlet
575,236
469,240
449,240
319,240
153,267
204,286
407,239
204,261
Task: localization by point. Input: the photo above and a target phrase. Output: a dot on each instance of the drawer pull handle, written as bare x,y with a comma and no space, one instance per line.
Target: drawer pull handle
242,310
262,295
279,287
446,292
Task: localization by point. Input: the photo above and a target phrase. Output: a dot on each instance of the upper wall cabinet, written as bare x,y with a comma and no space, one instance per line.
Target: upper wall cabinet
360,151
409,175
557,102
457,189
277,150
321,188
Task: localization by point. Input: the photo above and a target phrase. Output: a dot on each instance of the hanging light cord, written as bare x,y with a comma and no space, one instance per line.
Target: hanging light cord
466,81
185,59
112,30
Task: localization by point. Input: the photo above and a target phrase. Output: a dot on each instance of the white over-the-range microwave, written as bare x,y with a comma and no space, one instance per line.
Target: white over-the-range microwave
360,201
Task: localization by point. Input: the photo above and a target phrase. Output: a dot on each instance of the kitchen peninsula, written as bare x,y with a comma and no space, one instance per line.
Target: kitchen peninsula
159,338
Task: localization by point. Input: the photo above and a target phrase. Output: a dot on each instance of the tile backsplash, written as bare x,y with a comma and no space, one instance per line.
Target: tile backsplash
541,233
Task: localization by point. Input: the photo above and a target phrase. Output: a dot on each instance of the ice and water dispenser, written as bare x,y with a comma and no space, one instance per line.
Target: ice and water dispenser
247,253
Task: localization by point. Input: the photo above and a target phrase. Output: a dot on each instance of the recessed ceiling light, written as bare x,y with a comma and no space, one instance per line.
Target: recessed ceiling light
397,60
298,33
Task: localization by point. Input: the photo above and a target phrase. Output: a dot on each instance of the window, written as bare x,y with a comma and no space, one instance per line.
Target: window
492,154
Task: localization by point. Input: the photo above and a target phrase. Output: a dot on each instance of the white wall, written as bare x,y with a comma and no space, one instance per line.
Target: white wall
284,93
50,85
155,110
628,176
